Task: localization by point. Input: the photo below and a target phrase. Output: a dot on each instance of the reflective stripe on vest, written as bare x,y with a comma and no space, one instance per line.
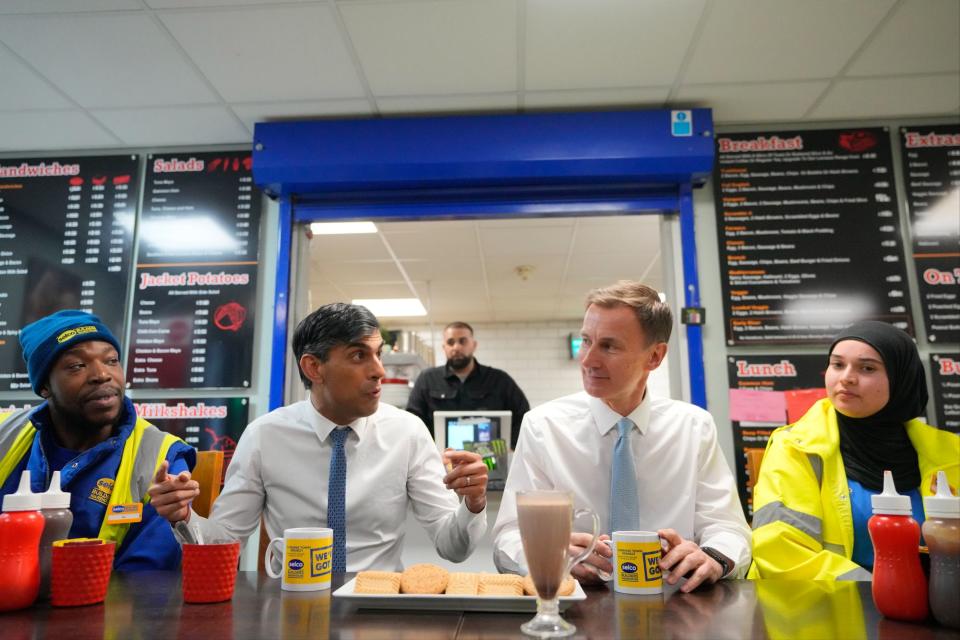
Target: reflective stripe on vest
16,438
143,453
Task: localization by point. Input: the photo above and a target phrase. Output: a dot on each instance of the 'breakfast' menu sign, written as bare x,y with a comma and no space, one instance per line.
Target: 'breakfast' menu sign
809,234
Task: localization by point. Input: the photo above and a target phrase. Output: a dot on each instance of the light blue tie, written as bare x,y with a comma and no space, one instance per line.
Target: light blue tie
624,496
337,498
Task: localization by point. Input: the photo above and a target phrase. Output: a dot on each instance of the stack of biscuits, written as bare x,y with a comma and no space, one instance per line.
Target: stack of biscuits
430,579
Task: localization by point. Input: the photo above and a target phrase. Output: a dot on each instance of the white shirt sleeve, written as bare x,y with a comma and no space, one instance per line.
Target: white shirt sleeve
454,529
719,521
236,512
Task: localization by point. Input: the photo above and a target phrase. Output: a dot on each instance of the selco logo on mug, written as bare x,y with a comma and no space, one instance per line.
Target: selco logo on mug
636,562
306,560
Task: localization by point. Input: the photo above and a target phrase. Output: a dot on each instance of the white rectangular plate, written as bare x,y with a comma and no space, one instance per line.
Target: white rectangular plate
412,601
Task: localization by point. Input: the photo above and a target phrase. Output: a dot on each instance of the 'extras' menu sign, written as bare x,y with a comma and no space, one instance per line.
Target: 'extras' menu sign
66,238
196,279
931,165
809,234
946,389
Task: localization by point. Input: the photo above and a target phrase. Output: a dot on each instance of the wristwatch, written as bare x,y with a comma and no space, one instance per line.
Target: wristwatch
721,559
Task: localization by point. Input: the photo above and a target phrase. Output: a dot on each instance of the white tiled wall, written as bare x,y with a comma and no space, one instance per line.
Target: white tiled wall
535,354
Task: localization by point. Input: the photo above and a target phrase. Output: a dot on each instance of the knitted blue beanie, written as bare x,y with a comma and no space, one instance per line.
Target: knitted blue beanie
44,340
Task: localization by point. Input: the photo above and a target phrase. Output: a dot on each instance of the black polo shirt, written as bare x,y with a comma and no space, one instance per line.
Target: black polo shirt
486,388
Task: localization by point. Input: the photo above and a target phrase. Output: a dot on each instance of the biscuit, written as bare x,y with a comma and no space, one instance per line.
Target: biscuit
379,582
566,587
463,584
492,584
424,578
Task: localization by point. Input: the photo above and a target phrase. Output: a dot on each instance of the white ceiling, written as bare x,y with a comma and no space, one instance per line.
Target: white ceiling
487,270
108,73
146,73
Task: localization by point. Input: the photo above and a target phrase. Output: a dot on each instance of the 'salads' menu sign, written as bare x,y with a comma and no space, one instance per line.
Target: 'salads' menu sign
809,234
66,237
196,278
931,165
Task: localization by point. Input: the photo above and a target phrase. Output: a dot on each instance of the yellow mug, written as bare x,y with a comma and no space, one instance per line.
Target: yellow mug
636,562
306,560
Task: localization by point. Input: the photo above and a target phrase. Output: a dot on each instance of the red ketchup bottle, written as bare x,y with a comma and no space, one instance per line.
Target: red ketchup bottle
899,586
21,525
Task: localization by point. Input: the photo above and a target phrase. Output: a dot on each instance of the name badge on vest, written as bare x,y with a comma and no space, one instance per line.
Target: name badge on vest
125,513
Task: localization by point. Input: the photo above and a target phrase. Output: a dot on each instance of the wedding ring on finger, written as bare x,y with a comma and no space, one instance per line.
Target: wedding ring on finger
468,481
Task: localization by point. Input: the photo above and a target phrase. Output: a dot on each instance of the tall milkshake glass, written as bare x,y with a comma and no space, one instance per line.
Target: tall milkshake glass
546,520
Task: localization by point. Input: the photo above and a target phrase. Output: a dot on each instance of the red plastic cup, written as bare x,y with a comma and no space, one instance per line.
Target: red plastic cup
209,571
80,572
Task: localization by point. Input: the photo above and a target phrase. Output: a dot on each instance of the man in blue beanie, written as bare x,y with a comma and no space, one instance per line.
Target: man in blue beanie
87,429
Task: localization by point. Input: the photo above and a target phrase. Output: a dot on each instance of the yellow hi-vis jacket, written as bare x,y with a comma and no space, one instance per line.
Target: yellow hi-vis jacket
802,520
143,452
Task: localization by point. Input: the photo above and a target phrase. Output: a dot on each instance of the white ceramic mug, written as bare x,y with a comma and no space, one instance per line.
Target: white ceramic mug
636,562
307,558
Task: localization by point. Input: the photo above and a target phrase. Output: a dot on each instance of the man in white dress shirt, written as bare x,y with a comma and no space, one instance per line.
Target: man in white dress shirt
281,467
685,491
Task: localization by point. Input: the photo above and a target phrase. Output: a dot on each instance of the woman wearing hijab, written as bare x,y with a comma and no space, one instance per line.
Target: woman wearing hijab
812,498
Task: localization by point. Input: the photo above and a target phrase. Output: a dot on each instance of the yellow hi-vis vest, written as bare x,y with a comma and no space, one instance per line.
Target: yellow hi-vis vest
143,453
802,520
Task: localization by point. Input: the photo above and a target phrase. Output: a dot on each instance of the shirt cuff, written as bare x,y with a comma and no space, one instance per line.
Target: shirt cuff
734,549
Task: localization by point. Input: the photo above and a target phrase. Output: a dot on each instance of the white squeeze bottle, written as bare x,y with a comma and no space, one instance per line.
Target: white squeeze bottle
941,532
55,507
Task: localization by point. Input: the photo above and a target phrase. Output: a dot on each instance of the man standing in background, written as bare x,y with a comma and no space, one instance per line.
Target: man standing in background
463,384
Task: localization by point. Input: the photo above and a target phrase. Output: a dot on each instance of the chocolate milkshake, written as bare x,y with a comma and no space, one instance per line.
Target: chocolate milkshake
545,521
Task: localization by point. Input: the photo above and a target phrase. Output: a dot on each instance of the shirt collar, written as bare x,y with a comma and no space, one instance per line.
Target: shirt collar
323,426
606,418
450,373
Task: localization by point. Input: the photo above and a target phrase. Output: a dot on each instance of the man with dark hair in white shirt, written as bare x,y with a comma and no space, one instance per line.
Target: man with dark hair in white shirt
287,462
616,432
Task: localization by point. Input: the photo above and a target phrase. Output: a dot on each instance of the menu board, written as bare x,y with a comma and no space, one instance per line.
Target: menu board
809,234
931,166
946,389
209,424
66,238
767,392
196,278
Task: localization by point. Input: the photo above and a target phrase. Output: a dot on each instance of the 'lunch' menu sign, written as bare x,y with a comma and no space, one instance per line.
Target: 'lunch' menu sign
66,238
809,234
931,166
196,278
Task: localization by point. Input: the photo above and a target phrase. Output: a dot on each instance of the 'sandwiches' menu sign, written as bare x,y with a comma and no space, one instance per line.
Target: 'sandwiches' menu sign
931,166
196,278
809,234
66,238
209,424
767,392
945,368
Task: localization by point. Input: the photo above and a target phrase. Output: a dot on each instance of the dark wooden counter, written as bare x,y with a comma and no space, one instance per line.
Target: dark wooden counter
149,605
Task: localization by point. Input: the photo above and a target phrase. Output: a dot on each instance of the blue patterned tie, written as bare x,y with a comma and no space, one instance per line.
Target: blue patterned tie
337,498
624,496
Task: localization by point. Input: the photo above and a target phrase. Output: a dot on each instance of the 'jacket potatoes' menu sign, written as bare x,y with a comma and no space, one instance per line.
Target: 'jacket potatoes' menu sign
196,278
931,167
66,238
809,234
